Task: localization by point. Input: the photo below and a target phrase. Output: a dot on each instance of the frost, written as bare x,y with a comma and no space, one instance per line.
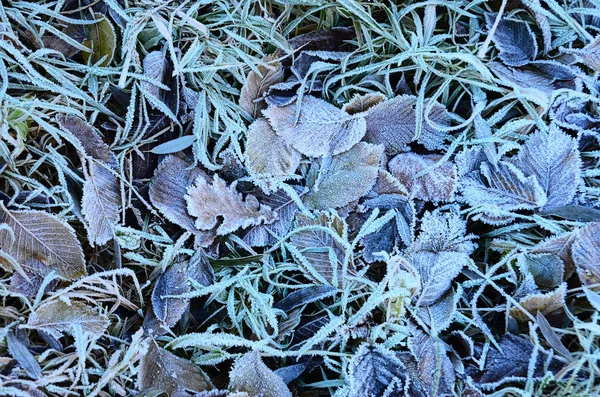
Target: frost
362,103
100,204
257,85
57,317
348,177
547,270
514,40
437,271
443,232
207,203
268,157
553,159
172,282
376,372
501,189
586,251
251,375
548,303
320,130
435,370
45,237
393,123
437,184
169,185
174,375
439,315
321,248
286,209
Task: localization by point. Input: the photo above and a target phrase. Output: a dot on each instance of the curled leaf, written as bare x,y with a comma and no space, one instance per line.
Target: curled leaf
548,303
257,85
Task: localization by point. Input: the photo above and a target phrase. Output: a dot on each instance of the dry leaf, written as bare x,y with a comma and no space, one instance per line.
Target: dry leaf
100,204
174,375
546,304
257,85
44,237
321,129
57,317
268,157
586,254
209,203
174,281
35,270
362,103
251,375
90,142
169,185
438,184
350,176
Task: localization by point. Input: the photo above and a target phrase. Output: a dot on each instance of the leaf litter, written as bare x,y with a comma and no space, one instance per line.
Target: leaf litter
244,199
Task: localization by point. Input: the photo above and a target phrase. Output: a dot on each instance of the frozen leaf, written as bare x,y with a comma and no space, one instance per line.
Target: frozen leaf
43,236
90,142
304,296
174,375
321,130
376,372
514,40
101,41
35,270
211,203
169,185
269,158
548,303
438,184
501,189
561,247
319,247
590,55
509,364
199,269
439,315
21,353
174,281
312,66
553,159
435,370
100,204
388,184
350,176
551,337
572,212
257,85
251,375
362,103
443,232
324,39
58,317
155,70
586,251
393,123
286,209
437,270
548,270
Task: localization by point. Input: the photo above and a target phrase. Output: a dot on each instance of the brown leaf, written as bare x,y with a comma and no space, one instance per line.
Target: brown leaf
174,375
58,317
362,103
586,254
540,303
209,203
44,237
268,157
251,375
258,84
